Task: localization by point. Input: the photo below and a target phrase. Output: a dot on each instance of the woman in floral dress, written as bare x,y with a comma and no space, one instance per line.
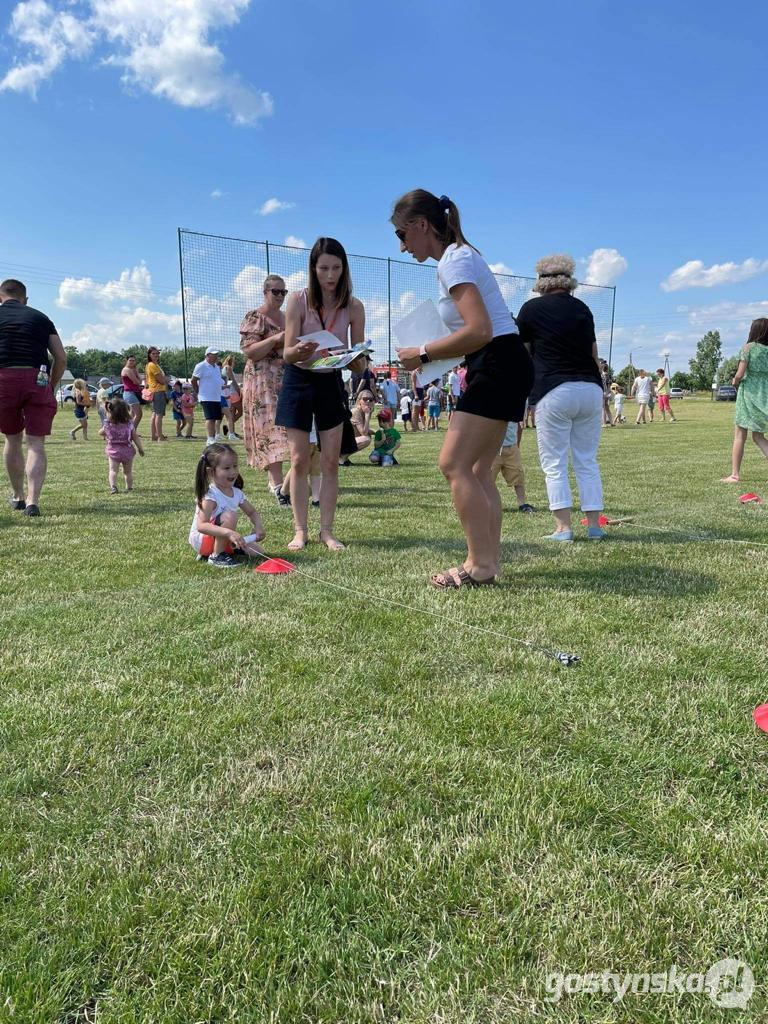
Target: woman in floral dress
262,334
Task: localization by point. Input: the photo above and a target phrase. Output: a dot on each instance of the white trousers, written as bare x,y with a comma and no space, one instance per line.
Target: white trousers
570,418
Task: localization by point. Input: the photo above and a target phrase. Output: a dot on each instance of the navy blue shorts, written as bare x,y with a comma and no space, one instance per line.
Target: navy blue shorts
499,380
178,416
211,410
305,394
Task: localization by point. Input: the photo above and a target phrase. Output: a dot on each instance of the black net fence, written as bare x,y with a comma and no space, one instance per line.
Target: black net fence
222,278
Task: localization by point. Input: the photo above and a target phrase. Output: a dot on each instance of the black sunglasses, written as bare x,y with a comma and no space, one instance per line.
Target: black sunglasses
279,291
400,234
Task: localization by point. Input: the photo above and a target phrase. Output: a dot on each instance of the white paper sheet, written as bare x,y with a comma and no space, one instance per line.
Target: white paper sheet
421,325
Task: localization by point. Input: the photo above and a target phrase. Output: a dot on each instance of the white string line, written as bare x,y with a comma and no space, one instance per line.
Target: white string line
559,655
698,537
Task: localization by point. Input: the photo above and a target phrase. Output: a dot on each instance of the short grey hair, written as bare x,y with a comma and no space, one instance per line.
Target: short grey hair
271,279
555,272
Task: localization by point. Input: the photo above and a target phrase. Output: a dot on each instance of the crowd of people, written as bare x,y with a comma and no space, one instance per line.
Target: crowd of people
540,368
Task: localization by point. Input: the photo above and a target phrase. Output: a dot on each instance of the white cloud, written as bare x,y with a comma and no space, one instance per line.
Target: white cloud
604,267
217,194
163,49
729,313
50,37
501,268
694,274
118,329
274,206
133,286
297,243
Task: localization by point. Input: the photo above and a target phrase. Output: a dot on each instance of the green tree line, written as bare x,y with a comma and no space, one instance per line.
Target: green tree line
95,362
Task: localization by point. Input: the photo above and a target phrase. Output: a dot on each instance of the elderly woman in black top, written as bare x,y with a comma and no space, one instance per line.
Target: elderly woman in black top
567,392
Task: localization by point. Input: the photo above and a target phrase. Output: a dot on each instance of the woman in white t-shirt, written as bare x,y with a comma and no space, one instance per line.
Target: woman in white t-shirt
499,374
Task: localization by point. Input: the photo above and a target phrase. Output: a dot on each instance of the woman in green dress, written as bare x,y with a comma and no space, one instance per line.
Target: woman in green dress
752,397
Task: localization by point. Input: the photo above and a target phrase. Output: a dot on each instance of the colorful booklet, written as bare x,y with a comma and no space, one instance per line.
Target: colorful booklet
330,354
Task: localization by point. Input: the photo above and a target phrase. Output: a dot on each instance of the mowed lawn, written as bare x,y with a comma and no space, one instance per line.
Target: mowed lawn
269,800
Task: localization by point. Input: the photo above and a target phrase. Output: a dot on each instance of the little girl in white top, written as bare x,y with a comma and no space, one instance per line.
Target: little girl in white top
218,489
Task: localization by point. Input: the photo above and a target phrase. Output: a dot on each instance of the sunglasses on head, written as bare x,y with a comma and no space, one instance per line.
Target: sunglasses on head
279,291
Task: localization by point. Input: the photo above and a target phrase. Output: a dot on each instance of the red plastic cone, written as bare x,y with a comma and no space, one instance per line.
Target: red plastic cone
746,498
274,566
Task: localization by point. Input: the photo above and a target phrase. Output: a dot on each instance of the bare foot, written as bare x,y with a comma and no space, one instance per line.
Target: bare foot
299,541
330,541
732,479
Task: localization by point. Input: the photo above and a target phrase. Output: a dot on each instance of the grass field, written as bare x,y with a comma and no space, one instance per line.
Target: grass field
230,797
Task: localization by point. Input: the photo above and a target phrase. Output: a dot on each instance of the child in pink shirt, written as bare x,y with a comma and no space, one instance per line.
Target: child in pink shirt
123,442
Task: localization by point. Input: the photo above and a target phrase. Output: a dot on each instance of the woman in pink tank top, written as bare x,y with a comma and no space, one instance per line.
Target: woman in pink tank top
308,398
131,381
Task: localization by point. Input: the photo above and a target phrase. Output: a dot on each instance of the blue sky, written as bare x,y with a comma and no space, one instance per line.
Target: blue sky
628,135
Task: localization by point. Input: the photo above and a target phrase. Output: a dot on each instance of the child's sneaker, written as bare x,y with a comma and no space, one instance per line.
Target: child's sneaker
387,460
223,561
315,504
525,507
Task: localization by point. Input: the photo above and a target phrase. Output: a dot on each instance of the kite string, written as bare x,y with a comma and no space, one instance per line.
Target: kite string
419,611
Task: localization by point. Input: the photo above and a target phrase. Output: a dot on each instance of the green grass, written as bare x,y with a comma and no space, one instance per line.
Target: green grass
230,797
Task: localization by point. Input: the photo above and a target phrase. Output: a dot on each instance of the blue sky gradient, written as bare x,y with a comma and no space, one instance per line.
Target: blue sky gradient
557,128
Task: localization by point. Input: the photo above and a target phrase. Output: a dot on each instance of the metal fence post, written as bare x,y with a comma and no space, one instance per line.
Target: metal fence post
183,310
267,248
610,343
389,312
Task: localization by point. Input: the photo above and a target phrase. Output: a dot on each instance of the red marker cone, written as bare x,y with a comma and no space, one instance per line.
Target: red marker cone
274,566
760,715
746,498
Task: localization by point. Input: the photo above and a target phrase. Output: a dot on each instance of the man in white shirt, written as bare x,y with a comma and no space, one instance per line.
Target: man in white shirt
390,396
454,390
208,383
641,390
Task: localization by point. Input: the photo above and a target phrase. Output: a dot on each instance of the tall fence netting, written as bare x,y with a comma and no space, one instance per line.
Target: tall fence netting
222,278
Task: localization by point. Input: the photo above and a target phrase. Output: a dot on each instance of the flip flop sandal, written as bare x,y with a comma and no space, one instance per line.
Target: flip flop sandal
455,578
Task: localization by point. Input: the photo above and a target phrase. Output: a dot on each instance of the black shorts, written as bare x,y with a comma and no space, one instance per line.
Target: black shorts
211,410
406,417
499,380
305,394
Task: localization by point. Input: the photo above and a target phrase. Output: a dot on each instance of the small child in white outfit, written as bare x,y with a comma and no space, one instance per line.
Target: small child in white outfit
618,404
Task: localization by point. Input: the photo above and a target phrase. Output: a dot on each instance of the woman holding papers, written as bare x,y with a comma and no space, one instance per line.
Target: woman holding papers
326,305
478,326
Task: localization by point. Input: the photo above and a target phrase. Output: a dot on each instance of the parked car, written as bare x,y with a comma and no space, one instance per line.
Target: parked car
115,391
676,393
65,394
725,393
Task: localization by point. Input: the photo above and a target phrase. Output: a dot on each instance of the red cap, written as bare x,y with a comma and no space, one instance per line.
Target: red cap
385,415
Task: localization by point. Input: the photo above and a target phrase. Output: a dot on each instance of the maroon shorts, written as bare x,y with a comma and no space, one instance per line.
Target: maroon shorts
24,405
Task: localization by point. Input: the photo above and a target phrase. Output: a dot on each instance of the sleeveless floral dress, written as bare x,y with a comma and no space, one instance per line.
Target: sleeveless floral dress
265,443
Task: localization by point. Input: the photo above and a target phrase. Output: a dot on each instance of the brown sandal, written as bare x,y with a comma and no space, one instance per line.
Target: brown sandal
454,579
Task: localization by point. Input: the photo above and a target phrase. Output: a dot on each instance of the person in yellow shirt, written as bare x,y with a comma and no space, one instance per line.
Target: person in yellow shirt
156,383
662,393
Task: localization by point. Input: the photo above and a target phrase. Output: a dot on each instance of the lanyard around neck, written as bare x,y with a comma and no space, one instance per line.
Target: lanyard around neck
321,318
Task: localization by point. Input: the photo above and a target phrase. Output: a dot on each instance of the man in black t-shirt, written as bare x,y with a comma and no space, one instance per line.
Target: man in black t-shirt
28,378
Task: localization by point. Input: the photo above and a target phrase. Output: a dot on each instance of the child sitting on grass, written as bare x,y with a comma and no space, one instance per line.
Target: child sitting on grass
219,500
508,463
123,442
386,441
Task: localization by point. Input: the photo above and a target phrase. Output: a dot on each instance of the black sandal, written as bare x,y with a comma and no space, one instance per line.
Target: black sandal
454,579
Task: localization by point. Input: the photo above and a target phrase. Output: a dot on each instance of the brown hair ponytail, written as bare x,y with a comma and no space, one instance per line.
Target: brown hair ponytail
441,213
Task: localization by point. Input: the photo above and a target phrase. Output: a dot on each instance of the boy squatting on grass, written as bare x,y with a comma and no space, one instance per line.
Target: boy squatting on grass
508,463
386,441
